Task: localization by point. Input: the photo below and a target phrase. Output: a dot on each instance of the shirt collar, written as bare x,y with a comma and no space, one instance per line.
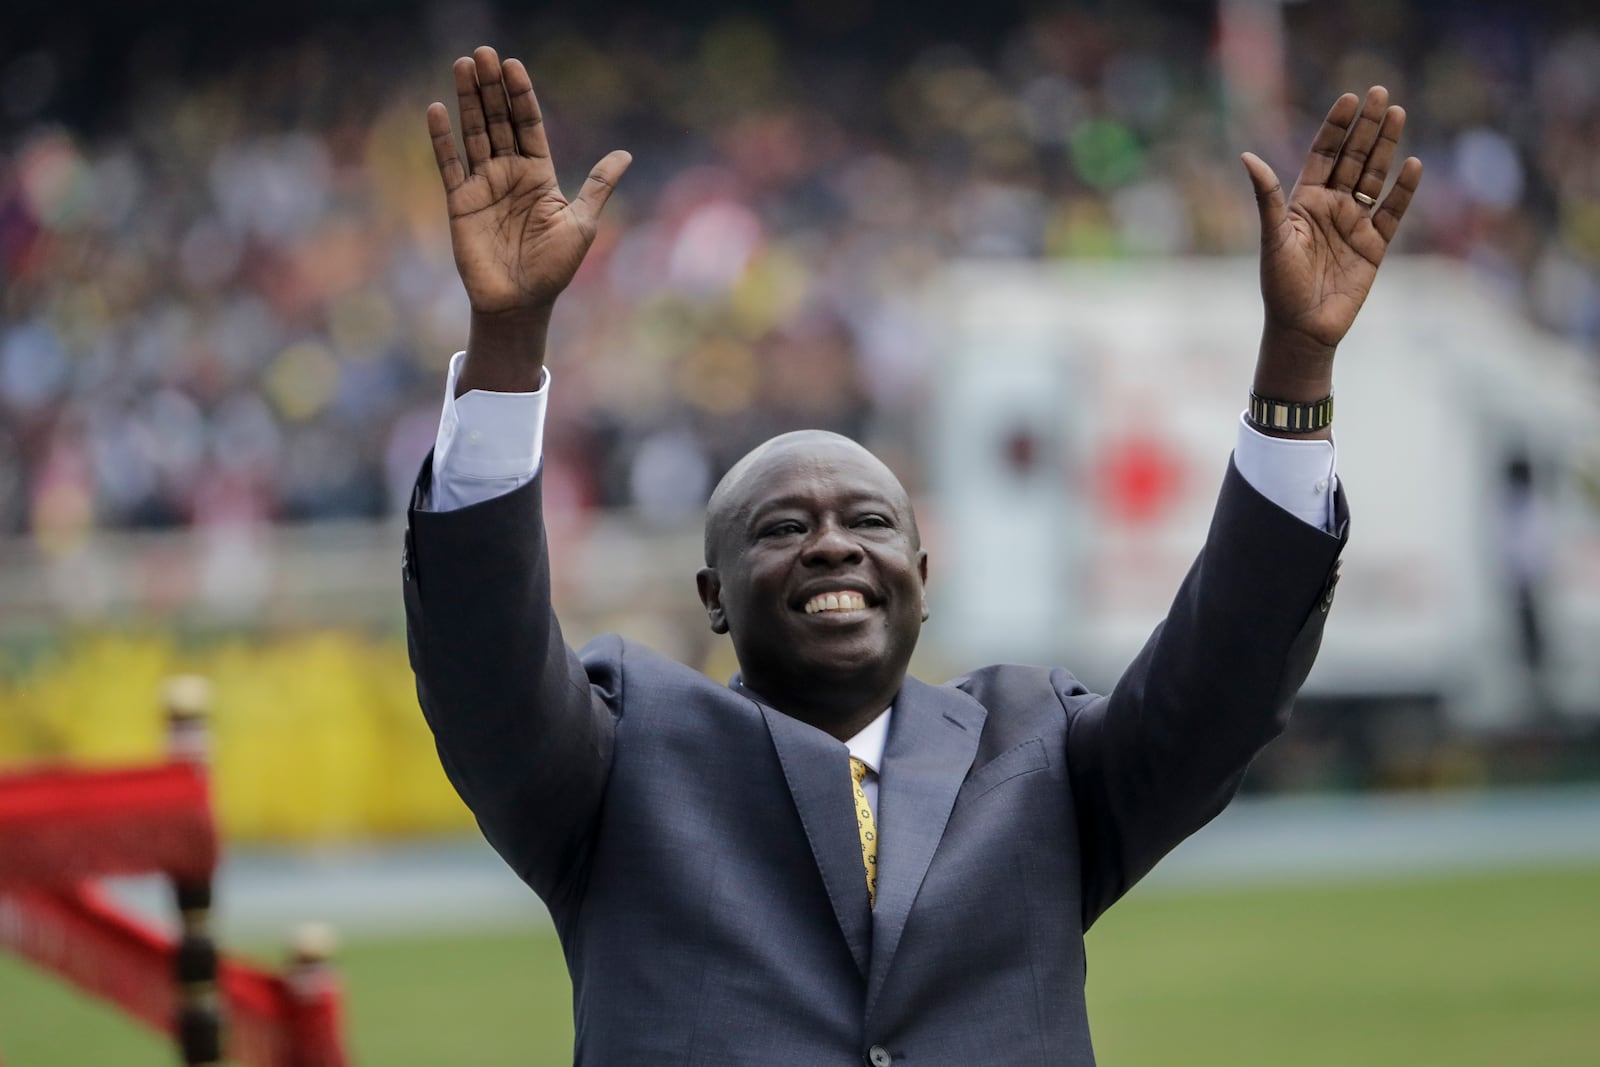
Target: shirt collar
867,746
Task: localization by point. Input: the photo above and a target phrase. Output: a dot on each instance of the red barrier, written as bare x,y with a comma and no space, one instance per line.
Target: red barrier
59,828
85,938
80,937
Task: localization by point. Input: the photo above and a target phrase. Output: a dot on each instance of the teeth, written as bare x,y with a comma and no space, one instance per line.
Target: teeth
836,602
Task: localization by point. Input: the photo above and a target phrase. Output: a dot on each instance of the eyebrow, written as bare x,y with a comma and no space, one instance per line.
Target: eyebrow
798,503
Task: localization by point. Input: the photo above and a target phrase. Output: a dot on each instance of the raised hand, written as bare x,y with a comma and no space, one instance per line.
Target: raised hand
1321,248
517,240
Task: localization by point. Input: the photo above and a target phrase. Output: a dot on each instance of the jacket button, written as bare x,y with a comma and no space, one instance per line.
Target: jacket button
1327,590
879,1056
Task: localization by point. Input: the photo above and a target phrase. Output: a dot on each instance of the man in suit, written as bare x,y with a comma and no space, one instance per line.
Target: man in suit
829,861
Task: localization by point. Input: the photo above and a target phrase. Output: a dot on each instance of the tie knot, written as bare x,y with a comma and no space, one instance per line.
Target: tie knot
858,770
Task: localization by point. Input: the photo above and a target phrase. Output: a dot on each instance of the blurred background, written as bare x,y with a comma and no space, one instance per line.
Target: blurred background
1011,249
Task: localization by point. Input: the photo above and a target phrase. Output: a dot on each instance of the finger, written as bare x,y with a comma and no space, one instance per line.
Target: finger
1377,171
1269,192
1387,218
1325,146
600,184
1363,135
492,90
474,132
526,118
444,147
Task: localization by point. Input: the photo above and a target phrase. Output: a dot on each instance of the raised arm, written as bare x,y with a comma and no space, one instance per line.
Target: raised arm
524,729
1165,751
517,240
1321,247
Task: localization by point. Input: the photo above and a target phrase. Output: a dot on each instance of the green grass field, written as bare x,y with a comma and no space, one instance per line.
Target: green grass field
1488,969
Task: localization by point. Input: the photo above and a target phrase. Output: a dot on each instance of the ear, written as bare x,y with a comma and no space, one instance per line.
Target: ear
922,572
709,583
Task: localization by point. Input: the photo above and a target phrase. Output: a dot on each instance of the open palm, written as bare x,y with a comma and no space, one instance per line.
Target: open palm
1320,249
517,240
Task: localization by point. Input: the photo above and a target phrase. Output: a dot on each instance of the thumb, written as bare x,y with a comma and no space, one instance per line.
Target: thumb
600,184
1269,193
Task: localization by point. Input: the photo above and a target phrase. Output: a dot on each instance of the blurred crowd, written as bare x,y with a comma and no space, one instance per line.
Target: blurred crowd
232,300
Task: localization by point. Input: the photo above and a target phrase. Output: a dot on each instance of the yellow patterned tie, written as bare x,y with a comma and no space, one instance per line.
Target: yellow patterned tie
868,827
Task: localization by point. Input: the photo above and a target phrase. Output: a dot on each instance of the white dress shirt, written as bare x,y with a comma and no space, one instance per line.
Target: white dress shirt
867,746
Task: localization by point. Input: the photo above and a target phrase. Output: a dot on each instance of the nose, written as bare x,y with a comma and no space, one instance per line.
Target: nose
830,545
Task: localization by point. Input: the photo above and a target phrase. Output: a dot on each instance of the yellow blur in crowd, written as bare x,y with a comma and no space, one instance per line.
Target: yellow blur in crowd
314,736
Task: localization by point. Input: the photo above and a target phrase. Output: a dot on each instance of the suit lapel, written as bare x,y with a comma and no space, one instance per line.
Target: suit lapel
933,737
817,768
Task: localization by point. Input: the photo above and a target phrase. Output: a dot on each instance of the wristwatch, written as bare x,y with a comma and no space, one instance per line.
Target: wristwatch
1288,416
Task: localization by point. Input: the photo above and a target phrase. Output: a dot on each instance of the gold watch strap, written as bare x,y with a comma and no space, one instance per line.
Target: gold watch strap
1288,416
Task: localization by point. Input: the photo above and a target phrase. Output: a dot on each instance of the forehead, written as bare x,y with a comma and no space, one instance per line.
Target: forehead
818,472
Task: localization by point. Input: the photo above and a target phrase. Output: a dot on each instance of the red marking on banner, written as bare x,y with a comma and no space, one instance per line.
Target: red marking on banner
1138,479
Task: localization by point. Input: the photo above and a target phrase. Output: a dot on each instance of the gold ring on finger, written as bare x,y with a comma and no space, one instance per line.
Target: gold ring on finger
1363,199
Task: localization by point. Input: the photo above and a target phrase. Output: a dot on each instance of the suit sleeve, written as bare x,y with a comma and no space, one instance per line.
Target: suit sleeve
1164,753
524,730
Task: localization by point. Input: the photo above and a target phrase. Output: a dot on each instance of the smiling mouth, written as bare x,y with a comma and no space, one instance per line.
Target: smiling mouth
835,603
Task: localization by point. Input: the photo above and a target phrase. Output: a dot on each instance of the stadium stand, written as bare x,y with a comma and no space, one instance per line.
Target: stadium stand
229,295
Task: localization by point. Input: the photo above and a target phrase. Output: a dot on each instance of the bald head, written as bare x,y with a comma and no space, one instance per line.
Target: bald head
815,570
745,484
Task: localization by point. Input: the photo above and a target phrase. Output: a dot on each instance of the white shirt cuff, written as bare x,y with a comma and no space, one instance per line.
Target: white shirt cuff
488,443
1298,476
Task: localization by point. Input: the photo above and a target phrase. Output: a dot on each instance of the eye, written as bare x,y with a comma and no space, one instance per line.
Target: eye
874,522
783,528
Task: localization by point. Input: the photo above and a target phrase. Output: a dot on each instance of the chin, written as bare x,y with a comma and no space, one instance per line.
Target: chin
828,663
869,666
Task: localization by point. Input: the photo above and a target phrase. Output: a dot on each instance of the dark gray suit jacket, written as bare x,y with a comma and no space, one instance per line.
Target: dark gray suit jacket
698,849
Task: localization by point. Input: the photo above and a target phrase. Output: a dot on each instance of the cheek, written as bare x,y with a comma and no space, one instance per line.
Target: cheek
903,569
755,591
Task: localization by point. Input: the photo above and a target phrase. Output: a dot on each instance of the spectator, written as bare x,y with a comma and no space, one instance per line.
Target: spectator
232,305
